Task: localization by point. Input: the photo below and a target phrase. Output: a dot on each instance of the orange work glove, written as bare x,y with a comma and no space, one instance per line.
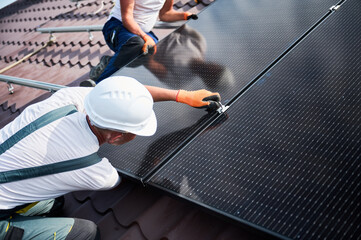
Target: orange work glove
149,45
199,99
188,15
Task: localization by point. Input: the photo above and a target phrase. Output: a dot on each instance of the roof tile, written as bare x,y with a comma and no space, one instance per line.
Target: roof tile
71,205
133,205
206,2
110,228
232,232
134,232
7,113
83,212
103,201
191,228
82,196
193,3
181,3
165,208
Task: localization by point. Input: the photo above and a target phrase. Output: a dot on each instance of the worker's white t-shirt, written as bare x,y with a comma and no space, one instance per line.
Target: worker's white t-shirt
145,12
67,138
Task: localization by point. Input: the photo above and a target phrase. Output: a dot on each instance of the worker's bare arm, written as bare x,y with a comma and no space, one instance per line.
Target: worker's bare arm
199,98
168,14
162,94
127,7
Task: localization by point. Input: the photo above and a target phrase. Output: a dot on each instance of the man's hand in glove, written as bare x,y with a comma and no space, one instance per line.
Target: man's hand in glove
149,45
200,99
188,15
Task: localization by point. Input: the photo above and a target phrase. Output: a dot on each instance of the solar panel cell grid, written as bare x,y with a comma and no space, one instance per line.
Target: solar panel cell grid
287,159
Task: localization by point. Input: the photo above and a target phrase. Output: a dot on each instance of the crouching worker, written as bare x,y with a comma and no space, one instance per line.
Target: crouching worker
128,33
50,149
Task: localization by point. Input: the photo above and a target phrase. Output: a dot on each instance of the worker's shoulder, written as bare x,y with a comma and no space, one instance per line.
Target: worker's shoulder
72,92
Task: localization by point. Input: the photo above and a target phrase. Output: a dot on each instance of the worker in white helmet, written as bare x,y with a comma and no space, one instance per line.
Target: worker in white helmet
50,149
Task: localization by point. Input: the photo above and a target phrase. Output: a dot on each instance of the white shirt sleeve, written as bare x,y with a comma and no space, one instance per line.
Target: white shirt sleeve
73,95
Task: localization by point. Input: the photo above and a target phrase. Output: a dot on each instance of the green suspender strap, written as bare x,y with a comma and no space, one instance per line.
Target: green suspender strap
25,173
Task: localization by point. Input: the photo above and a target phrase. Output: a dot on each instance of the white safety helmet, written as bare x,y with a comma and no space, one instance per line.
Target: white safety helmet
122,104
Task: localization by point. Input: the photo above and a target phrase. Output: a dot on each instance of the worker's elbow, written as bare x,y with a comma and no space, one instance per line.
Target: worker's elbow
164,17
161,18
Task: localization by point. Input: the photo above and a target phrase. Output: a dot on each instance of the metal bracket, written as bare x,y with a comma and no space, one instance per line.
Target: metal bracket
10,88
52,38
91,37
222,109
334,8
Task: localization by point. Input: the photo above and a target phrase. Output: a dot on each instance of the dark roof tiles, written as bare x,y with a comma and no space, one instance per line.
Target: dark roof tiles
131,211
83,212
233,232
164,208
133,205
7,113
110,229
134,232
110,199
209,228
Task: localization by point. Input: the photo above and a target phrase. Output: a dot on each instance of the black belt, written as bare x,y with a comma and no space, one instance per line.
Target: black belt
5,214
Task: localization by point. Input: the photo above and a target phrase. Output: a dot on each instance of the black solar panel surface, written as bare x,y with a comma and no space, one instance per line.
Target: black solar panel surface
226,48
287,159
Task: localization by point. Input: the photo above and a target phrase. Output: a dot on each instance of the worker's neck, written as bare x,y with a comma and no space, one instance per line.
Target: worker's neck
96,132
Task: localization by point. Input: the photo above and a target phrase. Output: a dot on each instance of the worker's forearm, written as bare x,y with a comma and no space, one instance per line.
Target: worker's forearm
162,94
172,16
168,14
132,26
127,7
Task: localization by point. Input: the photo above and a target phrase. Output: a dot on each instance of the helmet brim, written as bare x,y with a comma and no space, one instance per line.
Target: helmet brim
149,129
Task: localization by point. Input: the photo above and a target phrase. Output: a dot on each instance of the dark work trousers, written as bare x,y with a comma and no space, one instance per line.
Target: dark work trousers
37,221
126,46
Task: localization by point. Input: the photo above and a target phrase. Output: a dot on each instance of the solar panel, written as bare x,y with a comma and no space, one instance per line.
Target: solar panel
286,161
230,44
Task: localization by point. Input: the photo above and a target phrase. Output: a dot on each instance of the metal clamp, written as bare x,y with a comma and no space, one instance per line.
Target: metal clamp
91,37
10,88
222,108
52,38
334,8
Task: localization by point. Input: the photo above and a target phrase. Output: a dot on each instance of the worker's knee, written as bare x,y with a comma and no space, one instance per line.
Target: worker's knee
135,42
129,51
83,229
